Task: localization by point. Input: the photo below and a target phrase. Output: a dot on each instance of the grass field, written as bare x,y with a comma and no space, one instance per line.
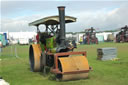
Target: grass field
16,71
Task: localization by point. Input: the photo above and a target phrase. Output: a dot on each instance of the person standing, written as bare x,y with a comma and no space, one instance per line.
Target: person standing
81,40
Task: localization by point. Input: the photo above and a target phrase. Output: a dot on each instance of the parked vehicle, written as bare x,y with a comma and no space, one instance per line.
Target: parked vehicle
122,36
90,36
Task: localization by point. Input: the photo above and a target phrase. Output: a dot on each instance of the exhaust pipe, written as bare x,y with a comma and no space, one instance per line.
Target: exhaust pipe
61,10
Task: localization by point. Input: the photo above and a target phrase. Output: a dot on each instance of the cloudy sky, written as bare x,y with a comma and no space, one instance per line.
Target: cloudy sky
102,15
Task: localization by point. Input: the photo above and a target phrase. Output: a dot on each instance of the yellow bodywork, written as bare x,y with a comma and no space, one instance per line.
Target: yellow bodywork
74,63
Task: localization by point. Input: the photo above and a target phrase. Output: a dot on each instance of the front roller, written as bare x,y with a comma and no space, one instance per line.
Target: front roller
72,67
75,67
34,57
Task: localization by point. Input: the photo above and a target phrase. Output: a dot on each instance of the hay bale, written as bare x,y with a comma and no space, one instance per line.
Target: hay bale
106,53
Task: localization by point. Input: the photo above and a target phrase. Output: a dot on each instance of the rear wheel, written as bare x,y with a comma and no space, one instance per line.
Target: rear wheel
31,58
34,57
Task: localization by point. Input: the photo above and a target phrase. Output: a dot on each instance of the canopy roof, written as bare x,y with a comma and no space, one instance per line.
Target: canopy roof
52,20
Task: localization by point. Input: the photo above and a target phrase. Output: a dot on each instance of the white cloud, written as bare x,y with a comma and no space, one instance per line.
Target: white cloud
18,24
101,18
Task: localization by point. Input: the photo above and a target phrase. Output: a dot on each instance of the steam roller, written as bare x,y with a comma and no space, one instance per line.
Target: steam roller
52,49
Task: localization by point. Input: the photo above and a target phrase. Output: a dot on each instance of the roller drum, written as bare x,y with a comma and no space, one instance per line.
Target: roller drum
75,67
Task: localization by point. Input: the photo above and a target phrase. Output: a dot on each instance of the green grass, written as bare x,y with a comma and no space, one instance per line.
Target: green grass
16,71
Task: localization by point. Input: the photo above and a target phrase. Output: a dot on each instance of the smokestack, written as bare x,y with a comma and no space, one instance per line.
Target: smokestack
61,10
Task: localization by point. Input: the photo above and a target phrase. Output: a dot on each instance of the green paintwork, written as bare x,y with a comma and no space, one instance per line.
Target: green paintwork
42,46
53,50
50,43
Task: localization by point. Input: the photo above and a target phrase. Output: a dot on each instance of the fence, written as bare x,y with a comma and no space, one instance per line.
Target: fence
14,51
